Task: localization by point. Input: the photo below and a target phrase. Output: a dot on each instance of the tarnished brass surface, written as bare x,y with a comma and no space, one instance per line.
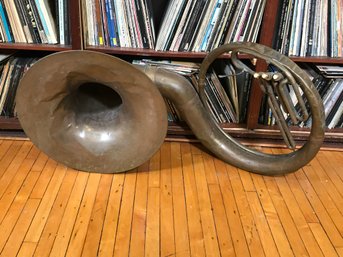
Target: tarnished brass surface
95,112
288,74
91,111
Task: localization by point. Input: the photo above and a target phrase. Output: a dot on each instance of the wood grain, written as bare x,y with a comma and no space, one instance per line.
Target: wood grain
182,202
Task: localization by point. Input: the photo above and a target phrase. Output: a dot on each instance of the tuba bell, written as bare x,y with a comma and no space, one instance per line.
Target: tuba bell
97,113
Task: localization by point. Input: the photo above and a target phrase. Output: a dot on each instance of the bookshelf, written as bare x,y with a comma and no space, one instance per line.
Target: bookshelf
249,130
11,125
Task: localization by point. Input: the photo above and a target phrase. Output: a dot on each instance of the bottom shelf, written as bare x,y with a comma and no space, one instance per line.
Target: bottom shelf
9,123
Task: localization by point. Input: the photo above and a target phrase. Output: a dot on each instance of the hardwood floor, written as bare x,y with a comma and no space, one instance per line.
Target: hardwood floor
183,202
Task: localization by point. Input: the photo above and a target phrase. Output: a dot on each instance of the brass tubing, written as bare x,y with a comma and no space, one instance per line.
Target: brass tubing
179,90
287,102
276,110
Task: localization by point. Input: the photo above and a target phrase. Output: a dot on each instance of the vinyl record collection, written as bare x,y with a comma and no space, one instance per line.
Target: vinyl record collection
194,25
34,21
227,89
310,28
12,69
329,82
204,25
119,23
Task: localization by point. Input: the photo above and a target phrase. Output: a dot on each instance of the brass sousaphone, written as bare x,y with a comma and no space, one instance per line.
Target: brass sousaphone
97,113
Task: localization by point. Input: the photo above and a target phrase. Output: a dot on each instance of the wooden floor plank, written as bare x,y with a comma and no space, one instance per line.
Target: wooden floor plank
231,209
18,204
331,228
122,243
9,157
246,216
206,214
298,217
196,149
196,240
322,239
27,249
39,221
271,216
5,145
247,182
97,218
154,170
15,165
182,202
16,238
327,191
300,196
292,233
222,226
210,169
40,162
336,157
323,181
166,204
152,241
111,218
65,229
264,232
79,232
180,214
33,154
44,179
13,187
339,251
329,168
138,230
53,222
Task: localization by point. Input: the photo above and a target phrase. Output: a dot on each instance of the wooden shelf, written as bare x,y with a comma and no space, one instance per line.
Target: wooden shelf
260,132
9,123
160,54
146,52
35,47
318,59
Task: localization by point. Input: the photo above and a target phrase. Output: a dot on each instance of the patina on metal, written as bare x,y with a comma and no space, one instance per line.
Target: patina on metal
272,83
91,111
97,113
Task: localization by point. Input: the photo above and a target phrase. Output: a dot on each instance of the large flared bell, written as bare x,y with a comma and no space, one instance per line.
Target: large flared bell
91,111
